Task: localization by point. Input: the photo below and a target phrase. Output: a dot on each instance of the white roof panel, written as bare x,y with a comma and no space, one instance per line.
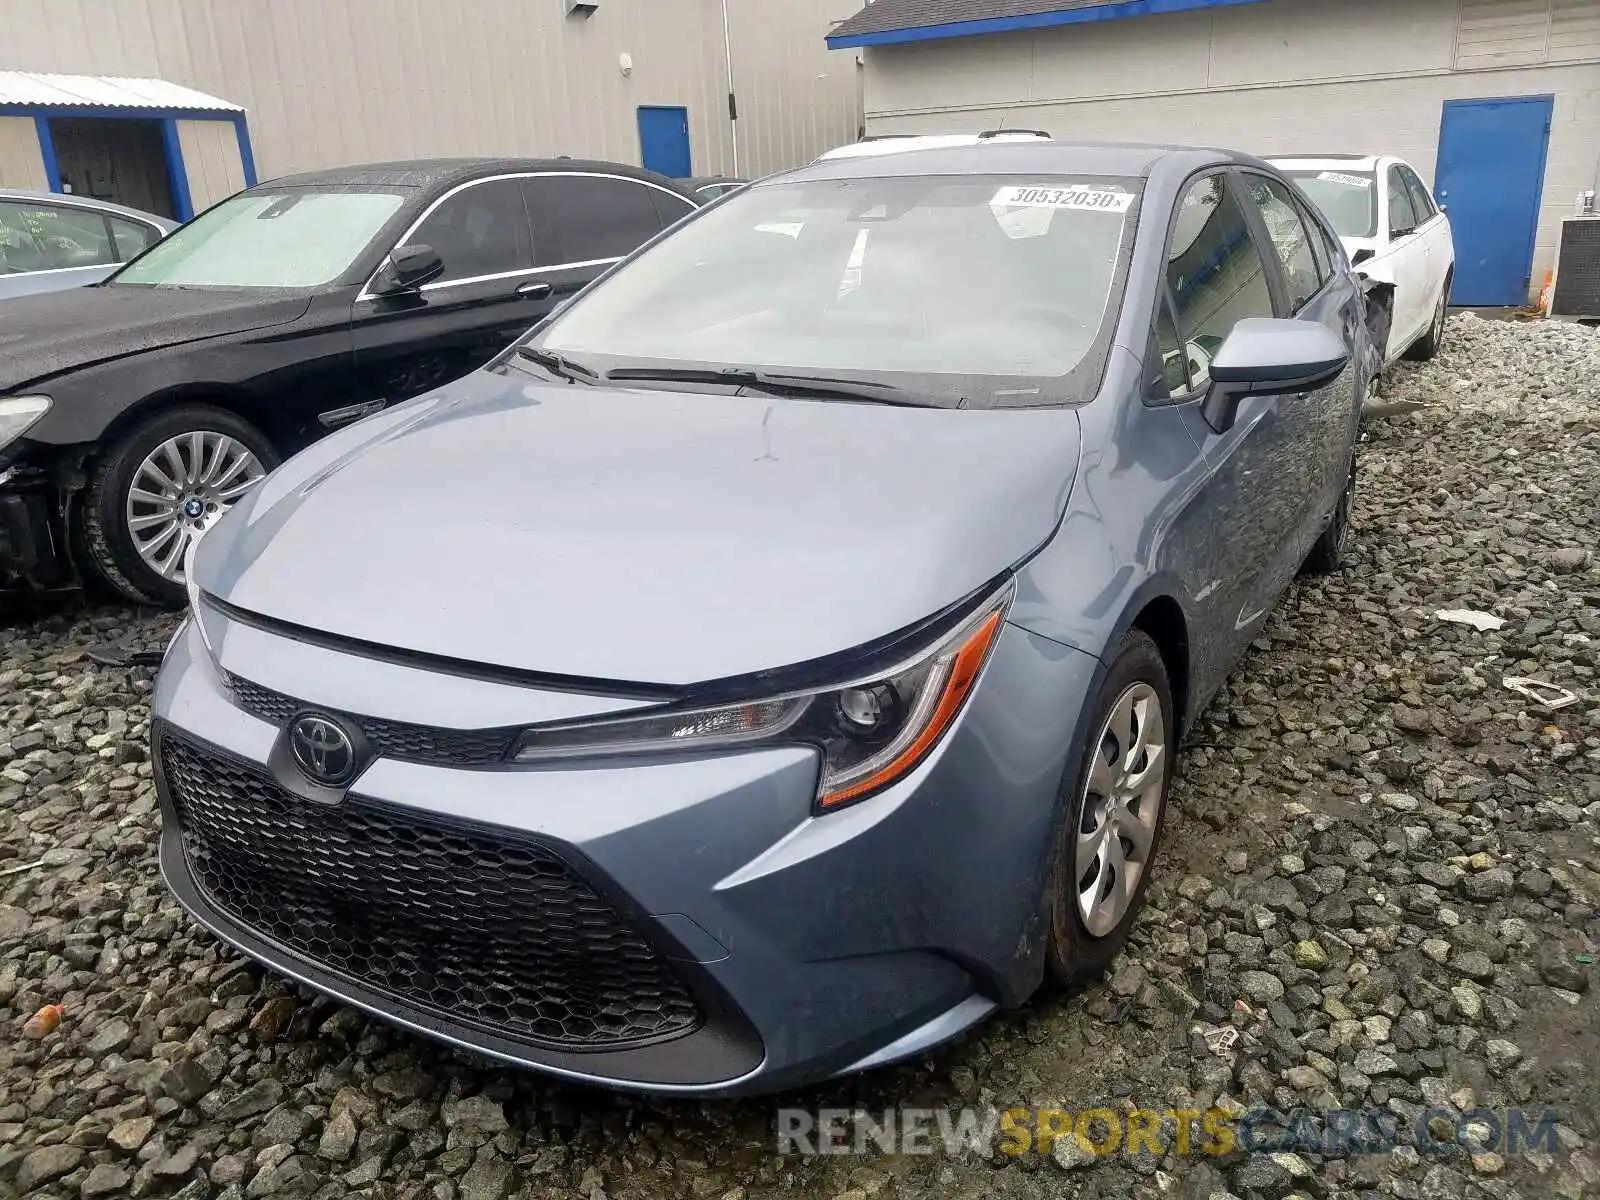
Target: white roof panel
103,91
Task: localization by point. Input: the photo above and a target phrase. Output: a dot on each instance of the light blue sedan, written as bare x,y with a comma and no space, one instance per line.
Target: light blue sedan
50,242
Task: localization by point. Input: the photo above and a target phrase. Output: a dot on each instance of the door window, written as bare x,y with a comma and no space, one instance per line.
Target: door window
131,237
1173,377
1289,236
481,230
589,218
50,237
1421,202
1402,217
1215,271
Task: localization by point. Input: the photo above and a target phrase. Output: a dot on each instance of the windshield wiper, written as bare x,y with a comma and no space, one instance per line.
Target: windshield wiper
774,383
557,364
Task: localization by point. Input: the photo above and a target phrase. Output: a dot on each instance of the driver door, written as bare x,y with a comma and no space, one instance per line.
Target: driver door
489,292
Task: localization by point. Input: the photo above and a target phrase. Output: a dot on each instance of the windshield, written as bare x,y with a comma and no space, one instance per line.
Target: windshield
978,290
1349,199
296,238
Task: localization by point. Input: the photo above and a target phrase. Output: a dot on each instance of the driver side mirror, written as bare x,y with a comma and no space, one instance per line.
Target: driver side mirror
408,268
1268,356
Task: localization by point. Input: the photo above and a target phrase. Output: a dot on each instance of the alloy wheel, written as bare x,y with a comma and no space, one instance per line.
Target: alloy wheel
1120,809
180,488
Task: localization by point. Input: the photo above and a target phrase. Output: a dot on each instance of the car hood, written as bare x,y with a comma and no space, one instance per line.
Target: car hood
644,536
45,335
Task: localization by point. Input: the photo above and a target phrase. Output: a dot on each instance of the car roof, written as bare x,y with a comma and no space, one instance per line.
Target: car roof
68,198
1329,162
428,173
1011,155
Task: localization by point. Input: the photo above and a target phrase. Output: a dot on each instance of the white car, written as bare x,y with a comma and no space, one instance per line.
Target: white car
1398,240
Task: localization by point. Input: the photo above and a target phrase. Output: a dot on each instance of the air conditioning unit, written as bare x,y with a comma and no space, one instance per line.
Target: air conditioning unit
1577,284
581,8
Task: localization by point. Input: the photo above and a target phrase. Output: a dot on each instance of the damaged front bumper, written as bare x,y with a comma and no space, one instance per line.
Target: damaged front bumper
33,532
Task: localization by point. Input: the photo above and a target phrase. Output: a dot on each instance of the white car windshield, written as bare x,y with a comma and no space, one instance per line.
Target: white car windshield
293,238
1349,199
979,289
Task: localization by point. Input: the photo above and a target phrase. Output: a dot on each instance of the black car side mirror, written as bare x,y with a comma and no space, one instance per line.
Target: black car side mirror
408,268
1268,356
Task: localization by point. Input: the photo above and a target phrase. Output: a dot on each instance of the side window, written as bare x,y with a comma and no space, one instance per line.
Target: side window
672,209
1289,235
131,237
1421,201
481,230
584,218
1173,377
1215,271
49,237
1402,217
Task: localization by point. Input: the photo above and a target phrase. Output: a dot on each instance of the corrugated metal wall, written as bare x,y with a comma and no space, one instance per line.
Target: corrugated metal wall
211,161
21,164
1283,77
330,82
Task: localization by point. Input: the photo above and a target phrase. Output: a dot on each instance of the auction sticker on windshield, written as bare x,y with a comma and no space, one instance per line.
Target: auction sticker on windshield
1360,181
1083,198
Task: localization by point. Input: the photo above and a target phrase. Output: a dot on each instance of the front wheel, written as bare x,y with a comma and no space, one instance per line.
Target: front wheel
1114,814
1428,344
1327,555
157,486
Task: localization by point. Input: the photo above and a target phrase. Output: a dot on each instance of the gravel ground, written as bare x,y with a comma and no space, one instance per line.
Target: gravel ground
1380,874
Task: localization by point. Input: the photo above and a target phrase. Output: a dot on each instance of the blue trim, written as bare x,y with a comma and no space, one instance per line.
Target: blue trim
177,177
247,158
1118,10
47,151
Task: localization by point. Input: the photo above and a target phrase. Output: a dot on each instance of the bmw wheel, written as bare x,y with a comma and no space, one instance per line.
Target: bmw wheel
1108,847
157,487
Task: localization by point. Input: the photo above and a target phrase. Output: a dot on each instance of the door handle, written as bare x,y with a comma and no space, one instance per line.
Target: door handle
534,289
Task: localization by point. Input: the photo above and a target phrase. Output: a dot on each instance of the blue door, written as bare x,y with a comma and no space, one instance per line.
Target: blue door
1489,178
664,140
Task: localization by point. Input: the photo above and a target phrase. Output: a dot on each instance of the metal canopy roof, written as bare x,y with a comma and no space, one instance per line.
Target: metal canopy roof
888,22
31,89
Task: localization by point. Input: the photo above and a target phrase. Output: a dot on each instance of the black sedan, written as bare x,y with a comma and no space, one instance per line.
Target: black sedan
134,412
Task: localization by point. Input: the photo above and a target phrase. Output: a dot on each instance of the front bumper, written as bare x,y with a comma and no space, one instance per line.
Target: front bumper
33,536
809,946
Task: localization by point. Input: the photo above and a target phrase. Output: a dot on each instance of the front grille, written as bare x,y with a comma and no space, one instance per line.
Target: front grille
389,739
486,930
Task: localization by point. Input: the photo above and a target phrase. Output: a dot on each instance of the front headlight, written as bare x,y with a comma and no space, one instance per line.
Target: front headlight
872,730
18,415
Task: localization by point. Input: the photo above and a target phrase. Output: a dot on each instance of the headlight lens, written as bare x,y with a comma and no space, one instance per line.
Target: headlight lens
871,731
18,414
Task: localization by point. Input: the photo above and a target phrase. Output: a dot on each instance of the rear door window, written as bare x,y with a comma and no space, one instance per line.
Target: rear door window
592,218
131,237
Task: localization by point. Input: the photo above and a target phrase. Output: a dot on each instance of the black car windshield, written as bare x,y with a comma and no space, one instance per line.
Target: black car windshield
1349,199
979,290
288,238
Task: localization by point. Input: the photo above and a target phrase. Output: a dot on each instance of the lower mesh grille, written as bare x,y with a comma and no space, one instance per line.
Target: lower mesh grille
482,930
389,739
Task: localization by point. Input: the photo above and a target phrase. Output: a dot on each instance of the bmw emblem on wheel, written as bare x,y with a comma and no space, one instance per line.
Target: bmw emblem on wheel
322,749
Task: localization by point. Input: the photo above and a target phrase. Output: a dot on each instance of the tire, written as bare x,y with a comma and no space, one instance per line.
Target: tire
1327,555
1428,344
111,546
1079,949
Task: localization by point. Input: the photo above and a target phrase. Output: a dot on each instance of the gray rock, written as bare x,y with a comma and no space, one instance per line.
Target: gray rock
129,1135
1261,986
46,1163
105,1179
1486,885
338,1137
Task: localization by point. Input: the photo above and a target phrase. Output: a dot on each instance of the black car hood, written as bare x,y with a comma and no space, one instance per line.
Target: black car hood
43,336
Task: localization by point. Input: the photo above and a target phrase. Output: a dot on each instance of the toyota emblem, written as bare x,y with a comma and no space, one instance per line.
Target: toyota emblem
322,749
